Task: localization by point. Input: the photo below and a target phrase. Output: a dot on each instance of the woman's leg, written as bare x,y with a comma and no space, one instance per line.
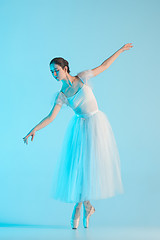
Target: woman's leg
87,204
76,211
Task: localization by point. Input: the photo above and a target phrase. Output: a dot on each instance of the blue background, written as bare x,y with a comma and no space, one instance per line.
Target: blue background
85,33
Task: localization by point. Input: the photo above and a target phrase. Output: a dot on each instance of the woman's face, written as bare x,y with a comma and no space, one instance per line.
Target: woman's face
57,72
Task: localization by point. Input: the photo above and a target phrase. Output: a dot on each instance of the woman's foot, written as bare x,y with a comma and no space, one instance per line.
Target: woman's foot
88,210
76,216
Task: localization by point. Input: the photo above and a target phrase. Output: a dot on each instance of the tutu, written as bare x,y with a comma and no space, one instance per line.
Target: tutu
88,166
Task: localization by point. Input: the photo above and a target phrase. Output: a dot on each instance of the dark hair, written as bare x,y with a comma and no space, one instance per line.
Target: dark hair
61,62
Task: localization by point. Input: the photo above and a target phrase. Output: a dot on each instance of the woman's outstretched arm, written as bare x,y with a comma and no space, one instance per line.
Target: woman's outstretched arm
110,60
47,120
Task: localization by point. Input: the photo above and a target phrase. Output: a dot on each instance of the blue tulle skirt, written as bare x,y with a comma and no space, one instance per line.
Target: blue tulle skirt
88,166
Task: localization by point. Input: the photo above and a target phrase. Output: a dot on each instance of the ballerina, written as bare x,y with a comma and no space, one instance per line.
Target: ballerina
88,167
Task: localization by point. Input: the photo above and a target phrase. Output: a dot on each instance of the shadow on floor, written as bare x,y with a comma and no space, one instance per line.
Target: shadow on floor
34,226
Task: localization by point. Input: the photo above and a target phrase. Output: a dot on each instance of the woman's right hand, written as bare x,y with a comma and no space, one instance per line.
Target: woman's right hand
31,133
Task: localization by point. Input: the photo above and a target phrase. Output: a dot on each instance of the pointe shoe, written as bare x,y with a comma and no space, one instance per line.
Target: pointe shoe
75,223
75,219
86,215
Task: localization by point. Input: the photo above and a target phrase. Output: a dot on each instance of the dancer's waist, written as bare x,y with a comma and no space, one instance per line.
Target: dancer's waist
86,115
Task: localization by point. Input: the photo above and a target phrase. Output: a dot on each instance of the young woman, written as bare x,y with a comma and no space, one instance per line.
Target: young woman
88,167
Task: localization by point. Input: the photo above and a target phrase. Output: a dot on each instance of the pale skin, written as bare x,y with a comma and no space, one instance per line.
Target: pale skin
70,85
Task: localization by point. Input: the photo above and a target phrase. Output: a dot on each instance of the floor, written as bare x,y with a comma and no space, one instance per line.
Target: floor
39,232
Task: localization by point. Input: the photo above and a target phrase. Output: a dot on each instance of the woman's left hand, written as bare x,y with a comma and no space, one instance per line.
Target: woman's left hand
127,46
